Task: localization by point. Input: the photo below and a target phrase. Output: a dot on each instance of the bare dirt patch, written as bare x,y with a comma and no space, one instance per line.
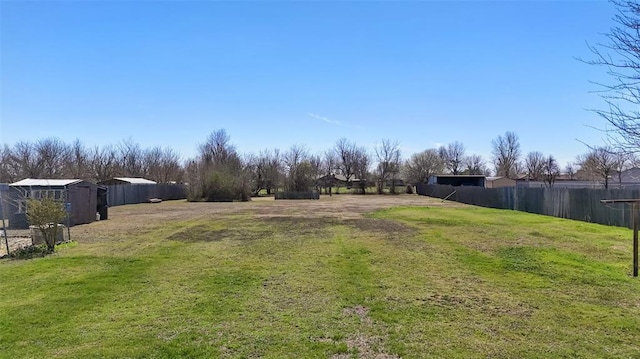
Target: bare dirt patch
15,243
359,311
305,215
367,346
303,223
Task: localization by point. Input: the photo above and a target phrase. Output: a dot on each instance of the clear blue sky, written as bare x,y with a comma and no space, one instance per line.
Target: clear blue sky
274,74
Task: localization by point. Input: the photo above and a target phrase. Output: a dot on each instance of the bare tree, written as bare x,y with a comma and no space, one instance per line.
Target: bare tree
292,160
330,162
329,167
217,149
103,163
162,165
24,161
362,162
506,154
7,174
130,159
347,161
420,166
315,161
534,164
218,173
620,55
51,153
388,155
77,163
474,165
268,171
550,170
453,157
599,163
621,160
570,170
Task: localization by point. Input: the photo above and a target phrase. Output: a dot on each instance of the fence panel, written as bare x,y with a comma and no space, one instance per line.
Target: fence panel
141,193
572,203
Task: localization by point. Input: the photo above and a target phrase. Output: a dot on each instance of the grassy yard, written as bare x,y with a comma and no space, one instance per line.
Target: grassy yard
326,279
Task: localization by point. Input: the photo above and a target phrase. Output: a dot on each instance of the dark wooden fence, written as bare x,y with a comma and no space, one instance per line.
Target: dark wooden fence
580,204
298,195
118,195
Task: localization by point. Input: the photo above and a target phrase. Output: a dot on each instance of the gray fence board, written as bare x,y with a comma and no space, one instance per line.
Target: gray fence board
118,195
580,204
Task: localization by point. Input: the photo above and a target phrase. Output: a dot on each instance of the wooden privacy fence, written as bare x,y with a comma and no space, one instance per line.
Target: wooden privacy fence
581,204
118,195
298,195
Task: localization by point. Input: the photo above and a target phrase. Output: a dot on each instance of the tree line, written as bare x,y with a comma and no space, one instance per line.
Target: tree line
219,171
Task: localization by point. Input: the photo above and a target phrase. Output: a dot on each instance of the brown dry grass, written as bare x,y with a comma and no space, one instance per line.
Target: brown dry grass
310,214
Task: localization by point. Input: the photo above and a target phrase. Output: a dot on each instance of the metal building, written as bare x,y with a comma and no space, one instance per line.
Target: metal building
82,199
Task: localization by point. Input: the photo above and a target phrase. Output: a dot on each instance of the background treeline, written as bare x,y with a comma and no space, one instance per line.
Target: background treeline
220,172
51,158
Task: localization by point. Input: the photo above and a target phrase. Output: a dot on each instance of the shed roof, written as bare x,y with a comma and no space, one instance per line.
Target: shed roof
45,182
461,176
135,180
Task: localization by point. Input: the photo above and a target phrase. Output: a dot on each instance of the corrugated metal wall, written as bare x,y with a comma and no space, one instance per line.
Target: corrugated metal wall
118,195
4,196
579,204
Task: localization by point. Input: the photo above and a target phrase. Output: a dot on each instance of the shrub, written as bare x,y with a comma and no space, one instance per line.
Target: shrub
30,252
409,189
45,214
222,186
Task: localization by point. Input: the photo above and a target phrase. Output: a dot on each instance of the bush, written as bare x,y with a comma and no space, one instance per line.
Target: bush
45,214
221,187
409,189
30,252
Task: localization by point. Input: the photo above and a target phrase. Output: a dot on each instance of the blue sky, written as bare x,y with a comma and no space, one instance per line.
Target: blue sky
274,74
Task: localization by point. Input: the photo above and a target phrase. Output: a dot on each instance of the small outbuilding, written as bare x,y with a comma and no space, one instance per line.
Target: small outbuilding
132,190
458,180
498,182
126,180
82,199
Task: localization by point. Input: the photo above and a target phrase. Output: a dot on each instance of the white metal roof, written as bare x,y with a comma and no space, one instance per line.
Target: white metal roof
45,182
135,180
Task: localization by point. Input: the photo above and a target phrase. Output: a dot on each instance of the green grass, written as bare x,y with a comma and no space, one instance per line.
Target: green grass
410,282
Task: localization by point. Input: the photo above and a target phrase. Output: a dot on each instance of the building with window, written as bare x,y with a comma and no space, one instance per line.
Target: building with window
82,199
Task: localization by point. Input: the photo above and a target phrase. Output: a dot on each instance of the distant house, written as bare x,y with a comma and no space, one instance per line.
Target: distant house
630,176
126,180
458,180
498,182
83,199
335,180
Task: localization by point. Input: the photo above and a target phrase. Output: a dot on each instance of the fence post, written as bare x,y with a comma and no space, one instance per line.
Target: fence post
635,238
4,226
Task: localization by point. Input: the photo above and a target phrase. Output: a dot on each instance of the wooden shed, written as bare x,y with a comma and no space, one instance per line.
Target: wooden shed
82,199
498,182
458,180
